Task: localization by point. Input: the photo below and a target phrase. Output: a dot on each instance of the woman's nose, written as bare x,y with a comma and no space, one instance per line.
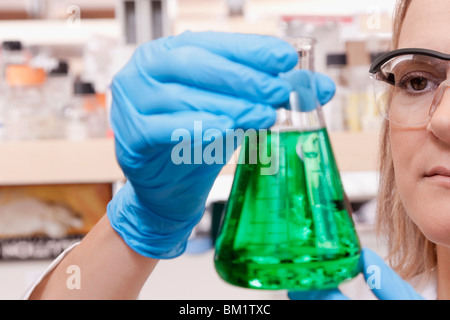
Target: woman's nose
439,124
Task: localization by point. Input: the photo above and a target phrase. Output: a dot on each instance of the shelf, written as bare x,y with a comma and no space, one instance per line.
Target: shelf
58,162
58,32
356,151
93,161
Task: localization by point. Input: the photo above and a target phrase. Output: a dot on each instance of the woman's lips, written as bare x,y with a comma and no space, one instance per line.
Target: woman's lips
438,171
439,175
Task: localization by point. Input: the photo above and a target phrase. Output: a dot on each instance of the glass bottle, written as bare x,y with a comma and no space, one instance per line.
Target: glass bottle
84,117
11,53
335,111
59,86
27,117
289,228
58,93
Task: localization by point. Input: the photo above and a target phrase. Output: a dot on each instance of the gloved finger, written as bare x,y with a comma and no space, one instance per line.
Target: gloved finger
330,294
204,69
174,97
264,53
383,281
177,140
144,133
312,88
325,87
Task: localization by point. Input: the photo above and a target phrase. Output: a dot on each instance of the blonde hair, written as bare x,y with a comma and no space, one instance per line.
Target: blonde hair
409,252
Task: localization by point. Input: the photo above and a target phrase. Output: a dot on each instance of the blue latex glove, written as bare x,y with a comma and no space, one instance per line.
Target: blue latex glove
381,279
176,88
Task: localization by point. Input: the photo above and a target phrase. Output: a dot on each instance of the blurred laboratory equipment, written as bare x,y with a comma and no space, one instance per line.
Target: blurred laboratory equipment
84,117
236,7
144,20
27,117
361,109
13,53
37,9
31,216
291,229
335,110
58,93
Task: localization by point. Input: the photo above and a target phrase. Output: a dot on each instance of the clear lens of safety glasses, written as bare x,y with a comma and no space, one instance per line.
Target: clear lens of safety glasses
409,84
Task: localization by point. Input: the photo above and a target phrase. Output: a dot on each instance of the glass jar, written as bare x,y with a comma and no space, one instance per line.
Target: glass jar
84,117
58,92
27,117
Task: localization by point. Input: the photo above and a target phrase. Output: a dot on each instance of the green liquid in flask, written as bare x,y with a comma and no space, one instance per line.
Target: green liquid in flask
291,229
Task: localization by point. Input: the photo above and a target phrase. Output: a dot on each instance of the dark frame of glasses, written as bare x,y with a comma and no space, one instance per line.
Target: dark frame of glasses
381,60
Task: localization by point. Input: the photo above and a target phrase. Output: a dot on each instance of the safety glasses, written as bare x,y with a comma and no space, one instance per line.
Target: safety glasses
409,84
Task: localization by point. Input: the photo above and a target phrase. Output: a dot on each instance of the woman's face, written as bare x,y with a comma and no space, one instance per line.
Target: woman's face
420,151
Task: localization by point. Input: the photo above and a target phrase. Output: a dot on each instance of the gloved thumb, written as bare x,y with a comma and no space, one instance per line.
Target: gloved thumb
312,88
383,281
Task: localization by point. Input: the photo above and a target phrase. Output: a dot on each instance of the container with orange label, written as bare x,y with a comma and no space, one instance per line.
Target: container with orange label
85,117
26,115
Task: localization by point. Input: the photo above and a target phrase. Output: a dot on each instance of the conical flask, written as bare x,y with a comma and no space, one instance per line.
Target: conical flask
286,223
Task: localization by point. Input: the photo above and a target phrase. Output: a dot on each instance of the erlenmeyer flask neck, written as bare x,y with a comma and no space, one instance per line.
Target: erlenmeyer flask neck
291,120
303,113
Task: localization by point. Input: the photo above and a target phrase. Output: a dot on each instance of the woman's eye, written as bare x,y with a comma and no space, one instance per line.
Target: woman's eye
419,83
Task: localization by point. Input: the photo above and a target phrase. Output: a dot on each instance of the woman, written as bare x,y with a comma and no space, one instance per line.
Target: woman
231,81
413,208
415,155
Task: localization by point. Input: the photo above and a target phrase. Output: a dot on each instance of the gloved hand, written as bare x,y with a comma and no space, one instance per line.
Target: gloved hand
174,98
386,284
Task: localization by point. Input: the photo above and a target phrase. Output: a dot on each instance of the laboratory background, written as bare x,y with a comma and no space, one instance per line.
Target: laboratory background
58,169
